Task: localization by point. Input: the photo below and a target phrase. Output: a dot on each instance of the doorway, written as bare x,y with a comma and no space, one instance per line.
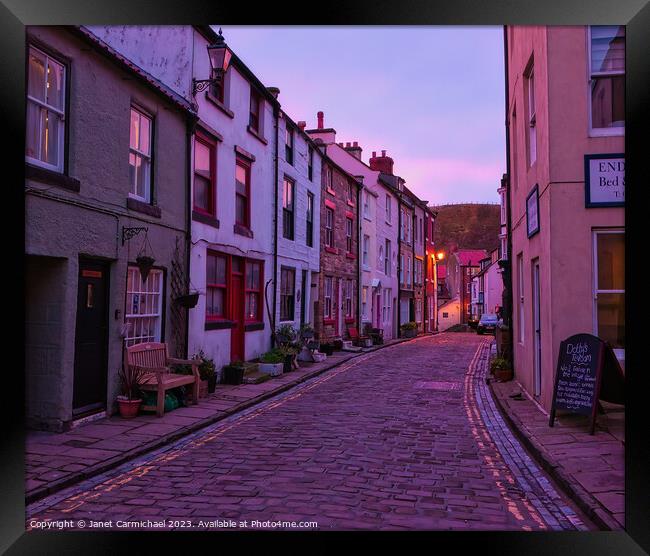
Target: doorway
91,338
537,332
237,331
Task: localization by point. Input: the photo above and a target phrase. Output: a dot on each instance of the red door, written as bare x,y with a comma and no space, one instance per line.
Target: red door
237,332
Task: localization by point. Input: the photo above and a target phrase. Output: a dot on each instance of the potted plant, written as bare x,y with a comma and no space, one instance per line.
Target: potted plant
145,264
272,362
501,369
409,329
377,335
285,334
233,373
289,353
188,300
129,401
326,348
306,332
207,372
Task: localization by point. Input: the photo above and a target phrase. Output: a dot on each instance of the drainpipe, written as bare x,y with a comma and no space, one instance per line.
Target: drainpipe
399,263
276,111
507,270
189,130
359,251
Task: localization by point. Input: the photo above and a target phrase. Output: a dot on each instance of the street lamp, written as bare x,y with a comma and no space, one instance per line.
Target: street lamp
435,258
219,55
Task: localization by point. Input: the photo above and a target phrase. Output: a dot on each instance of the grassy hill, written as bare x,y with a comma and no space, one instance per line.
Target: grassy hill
469,226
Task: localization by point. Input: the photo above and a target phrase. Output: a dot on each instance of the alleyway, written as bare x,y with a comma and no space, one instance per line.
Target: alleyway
405,438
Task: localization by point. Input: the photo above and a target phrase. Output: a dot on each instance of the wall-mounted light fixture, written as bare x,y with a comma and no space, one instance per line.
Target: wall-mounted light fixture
219,55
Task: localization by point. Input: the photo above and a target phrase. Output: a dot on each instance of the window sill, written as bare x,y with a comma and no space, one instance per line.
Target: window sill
350,203
330,191
51,177
219,324
349,320
350,256
144,208
256,135
332,250
607,132
251,326
242,230
329,321
220,105
206,219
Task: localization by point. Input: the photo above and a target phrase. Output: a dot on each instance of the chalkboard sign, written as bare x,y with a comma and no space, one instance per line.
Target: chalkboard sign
578,376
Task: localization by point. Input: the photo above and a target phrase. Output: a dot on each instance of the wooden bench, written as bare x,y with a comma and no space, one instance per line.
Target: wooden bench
159,378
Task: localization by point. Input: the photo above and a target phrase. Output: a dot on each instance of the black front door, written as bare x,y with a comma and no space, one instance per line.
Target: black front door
303,297
90,360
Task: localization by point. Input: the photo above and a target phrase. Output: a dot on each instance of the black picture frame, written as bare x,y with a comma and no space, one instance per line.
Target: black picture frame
533,192
589,203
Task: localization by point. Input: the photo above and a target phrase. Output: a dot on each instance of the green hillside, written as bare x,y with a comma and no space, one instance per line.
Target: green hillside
468,226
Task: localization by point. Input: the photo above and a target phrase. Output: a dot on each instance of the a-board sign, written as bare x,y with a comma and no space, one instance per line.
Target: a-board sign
579,376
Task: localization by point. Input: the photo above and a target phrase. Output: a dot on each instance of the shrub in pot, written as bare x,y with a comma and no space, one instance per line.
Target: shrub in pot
272,363
131,377
500,368
207,371
233,373
409,329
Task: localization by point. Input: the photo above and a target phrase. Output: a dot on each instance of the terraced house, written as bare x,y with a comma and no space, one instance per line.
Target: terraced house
107,221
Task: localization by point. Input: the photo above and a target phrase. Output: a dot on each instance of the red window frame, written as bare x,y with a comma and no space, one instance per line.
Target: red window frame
225,287
254,115
329,230
252,290
212,193
246,165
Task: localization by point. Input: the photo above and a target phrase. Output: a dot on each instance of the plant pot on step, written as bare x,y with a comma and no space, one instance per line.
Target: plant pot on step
287,365
128,408
203,389
273,369
233,374
212,384
503,374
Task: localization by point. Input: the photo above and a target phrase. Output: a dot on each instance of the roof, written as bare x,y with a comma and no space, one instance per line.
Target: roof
129,66
470,257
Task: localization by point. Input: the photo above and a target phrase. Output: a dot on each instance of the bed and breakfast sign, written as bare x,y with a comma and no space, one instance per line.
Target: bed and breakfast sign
604,180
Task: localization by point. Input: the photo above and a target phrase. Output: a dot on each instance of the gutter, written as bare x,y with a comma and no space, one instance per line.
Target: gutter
275,224
508,270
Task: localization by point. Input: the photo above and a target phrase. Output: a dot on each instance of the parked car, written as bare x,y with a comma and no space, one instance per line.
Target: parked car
487,322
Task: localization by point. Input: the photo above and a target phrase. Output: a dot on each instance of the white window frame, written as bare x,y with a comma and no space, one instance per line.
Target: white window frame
146,156
600,131
366,252
366,205
531,117
42,104
387,258
620,353
389,209
364,303
132,318
521,293
328,293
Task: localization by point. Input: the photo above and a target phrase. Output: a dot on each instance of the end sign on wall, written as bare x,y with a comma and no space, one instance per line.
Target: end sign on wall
604,180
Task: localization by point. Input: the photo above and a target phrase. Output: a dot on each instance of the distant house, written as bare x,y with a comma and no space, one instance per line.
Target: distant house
462,265
487,287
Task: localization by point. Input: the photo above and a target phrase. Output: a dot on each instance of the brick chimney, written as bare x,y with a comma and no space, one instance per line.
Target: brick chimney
302,125
274,91
321,118
383,163
354,149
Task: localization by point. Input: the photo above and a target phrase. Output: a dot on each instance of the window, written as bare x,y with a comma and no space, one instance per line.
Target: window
401,269
288,145
288,191
327,297
216,287
310,219
364,303
242,192
366,246
380,258
287,293
529,91
408,272
140,156
520,293
348,234
255,120
217,88
310,164
418,310
388,208
329,227
607,77
45,111
143,306
204,175
350,193
329,179
347,292
253,291
386,305
387,259
610,287
418,272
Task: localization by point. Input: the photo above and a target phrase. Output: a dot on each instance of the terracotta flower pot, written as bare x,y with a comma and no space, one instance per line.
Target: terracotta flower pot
128,408
503,374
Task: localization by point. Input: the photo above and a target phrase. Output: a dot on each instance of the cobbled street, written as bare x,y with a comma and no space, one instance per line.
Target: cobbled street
404,438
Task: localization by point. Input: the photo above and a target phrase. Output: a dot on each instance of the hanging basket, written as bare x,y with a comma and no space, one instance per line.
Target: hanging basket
145,264
188,301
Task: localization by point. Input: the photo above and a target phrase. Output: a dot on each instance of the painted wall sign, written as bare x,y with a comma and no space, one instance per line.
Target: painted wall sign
532,212
604,180
91,273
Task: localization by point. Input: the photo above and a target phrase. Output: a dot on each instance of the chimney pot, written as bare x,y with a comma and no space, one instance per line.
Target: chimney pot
383,153
374,154
355,144
321,117
348,144
302,125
